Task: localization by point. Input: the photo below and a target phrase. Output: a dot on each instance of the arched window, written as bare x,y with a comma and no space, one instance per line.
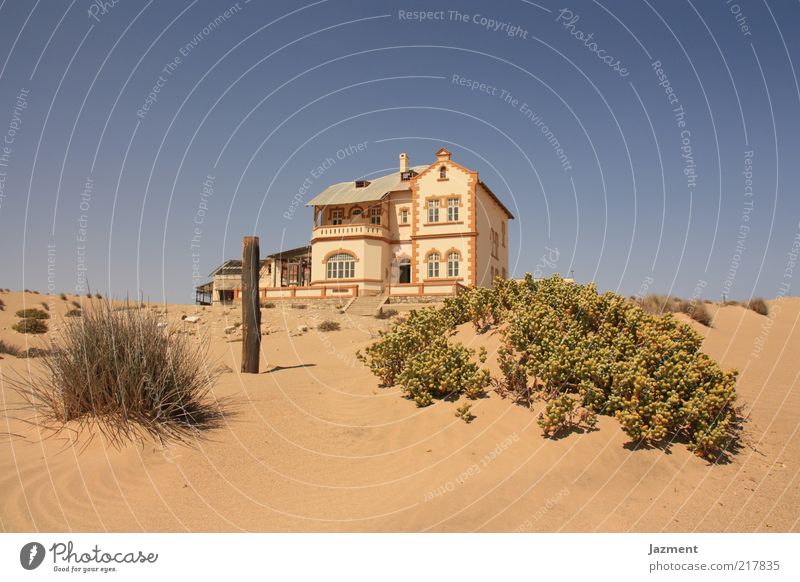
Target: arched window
341,266
453,260
443,173
433,265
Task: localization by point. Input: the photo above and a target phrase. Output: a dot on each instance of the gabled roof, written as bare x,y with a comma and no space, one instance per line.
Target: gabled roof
347,193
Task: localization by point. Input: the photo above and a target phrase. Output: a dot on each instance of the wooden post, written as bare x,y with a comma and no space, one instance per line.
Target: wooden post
251,311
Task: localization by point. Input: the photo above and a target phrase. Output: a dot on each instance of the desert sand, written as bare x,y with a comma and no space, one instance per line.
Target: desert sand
315,444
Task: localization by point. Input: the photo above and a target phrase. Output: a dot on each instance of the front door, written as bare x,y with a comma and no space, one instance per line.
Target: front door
405,273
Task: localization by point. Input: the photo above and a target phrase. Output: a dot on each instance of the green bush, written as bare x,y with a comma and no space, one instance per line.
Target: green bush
33,313
30,325
580,352
442,370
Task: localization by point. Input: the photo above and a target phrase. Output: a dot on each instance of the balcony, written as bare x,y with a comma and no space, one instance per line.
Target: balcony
330,231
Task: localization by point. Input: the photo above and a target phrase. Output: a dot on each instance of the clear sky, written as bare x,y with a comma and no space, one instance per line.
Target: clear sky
645,145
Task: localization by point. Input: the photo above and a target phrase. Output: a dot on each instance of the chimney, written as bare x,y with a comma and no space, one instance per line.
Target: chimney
403,162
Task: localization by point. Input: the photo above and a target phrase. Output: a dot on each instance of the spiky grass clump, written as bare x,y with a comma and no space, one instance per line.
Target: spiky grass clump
121,371
73,313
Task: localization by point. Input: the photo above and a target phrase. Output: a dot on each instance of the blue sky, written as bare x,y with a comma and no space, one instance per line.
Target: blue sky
677,124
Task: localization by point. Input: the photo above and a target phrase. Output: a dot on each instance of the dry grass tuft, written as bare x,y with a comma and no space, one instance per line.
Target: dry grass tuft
267,305
6,348
30,325
386,313
329,325
63,296
758,305
121,372
32,313
661,304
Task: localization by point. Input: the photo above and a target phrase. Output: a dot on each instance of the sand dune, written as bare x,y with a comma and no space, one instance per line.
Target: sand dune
316,445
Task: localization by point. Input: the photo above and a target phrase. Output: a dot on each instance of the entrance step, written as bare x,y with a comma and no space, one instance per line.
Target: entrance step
367,305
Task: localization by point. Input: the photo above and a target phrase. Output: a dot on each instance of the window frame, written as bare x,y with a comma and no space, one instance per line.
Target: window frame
453,212
338,267
433,259
453,264
433,211
337,214
375,212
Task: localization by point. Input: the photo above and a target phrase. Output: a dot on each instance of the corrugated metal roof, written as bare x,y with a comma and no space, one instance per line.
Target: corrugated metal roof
347,193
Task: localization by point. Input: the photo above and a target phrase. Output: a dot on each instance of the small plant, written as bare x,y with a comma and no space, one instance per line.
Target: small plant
2,305
329,325
32,313
76,304
73,313
464,412
46,306
6,348
122,371
63,296
30,325
98,296
758,305
88,295
299,306
386,313
268,305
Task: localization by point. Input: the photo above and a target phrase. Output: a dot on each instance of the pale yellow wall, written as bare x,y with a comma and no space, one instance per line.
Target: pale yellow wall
370,257
490,216
443,245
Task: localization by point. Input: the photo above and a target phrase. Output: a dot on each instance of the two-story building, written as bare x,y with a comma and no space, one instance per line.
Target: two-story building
421,230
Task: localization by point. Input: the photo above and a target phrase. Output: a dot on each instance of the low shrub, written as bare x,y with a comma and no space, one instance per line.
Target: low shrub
73,313
30,325
63,296
121,371
443,370
580,352
2,305
46,306
267,305
76,304
329,325
386,313
299,306
33,313
758,305
98,296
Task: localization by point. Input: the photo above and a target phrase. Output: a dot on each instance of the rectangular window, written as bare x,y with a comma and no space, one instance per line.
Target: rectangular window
433,269
404,216
337,216
375,215
433,211
452,209
504,234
